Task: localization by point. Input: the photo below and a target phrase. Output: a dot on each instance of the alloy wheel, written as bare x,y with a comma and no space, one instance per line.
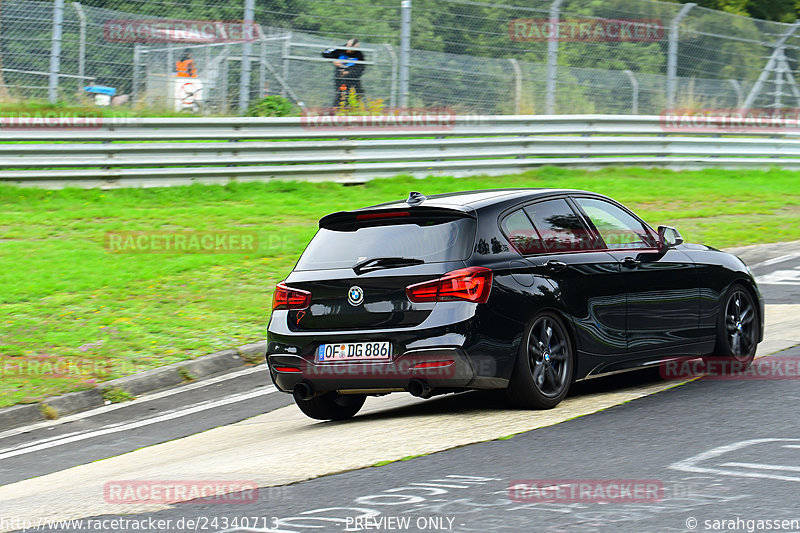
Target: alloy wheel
548,354
740,325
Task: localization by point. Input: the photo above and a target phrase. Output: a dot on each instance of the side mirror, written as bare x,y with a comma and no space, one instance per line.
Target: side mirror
668,237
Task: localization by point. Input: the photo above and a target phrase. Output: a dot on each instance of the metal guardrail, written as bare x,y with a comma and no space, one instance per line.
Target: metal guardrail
172,151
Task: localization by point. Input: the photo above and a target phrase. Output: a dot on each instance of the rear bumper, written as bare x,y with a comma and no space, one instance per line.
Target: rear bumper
455,333
446,367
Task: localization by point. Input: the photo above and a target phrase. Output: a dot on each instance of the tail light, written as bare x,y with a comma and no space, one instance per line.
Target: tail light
434,364
289,298
471,284
389,214
287,369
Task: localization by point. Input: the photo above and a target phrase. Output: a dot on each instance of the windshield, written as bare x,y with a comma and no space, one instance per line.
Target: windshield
432,242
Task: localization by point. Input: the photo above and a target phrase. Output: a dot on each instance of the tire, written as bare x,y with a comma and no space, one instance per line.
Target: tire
737,327
543,371
332,406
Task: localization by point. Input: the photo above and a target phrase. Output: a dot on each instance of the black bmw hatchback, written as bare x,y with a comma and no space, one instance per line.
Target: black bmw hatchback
526,290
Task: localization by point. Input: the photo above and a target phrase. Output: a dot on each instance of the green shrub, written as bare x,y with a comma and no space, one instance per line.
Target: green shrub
48,412
186,375
116,395
271,106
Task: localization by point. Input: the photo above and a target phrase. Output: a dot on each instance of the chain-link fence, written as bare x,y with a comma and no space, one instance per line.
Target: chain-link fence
556,56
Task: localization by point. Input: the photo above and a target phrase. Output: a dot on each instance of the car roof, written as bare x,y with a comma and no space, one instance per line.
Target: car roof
470,200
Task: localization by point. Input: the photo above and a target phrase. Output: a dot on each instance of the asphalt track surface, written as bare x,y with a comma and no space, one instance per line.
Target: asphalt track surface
717,451
747,471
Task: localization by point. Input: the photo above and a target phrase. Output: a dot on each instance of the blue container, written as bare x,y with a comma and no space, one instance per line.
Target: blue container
100,89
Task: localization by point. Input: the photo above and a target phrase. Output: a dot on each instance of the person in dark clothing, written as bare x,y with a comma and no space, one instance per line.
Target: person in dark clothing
349,68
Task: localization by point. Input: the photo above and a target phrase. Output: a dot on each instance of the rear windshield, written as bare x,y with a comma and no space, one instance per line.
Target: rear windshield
433,242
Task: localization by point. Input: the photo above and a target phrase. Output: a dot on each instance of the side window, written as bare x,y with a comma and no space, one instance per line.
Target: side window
559,226
617,227
521,234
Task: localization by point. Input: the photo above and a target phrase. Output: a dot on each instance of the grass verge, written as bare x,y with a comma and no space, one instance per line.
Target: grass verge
72,314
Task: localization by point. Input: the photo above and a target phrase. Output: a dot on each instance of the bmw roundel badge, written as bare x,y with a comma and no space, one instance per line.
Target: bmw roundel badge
355,295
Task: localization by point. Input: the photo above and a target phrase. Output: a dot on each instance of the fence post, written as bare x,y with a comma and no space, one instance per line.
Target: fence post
738,88
247,48
148,71
405,47
207,82
82,43
137,58
55,50
286,51
552,58
224,75
262,64
672,53
634,93
171,100
393,89
517,85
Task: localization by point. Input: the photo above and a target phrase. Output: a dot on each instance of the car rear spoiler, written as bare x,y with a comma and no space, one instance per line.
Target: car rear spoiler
353,220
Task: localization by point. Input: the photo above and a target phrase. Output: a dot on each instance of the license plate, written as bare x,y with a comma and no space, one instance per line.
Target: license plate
354,351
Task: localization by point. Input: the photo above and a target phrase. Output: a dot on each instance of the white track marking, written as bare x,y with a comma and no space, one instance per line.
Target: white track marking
48,443
693,464
775,260
149,397
264,448
757,466
780,277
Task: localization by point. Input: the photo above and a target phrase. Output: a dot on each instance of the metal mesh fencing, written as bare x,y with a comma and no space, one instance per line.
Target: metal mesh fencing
532,56
25,42
312,77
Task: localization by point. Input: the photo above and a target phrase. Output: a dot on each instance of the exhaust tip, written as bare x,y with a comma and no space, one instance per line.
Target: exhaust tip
419,388
303,392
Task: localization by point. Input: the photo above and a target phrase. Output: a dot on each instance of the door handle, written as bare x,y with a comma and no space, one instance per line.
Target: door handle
555,266
630,262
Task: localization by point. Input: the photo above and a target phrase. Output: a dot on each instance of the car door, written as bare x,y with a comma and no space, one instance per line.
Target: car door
559,249
662,287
